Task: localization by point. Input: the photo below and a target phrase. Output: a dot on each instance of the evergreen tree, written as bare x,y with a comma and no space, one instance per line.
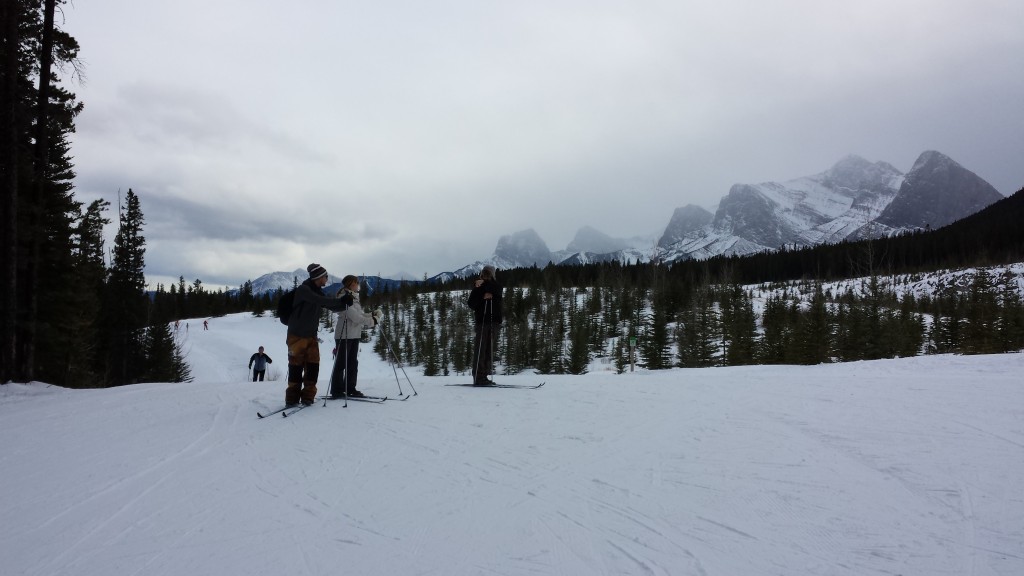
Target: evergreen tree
431,355
165,360
814,331
38,210
980,335
908,332
125,305
88,254
739,327
655,345
1010,325
776,342
947,324
578,357
698,332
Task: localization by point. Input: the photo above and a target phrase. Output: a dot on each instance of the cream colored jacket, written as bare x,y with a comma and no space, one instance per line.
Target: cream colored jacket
352,319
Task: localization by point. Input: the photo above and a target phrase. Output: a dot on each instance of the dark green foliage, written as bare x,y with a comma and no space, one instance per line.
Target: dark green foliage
165,362
739,327
698,332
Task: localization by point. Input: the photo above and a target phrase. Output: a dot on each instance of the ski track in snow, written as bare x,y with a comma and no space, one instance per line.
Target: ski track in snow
907,467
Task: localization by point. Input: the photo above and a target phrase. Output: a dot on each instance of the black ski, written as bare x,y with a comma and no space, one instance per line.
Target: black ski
291,411
395,398
371,399
524,386
282,409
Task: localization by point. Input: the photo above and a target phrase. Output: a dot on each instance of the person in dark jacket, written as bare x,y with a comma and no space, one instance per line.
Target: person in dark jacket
485,301
303,344
260,360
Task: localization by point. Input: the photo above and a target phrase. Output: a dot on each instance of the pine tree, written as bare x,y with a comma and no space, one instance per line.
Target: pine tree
38,210
431,356
776,342
578,356
739,327
698,332
654,345
125,305
83,324
165,362
1010,325
814,331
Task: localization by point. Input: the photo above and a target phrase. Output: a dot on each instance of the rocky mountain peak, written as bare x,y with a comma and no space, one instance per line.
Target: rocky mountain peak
524,248
937,191
685,221
589,239
854,173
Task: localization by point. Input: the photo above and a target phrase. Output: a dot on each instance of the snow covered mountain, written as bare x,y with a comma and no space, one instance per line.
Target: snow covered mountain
854,199
590,239
285,281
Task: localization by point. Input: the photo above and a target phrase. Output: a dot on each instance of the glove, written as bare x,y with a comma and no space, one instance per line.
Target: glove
377,314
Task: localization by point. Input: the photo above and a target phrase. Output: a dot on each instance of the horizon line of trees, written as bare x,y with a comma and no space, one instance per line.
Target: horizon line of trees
562,330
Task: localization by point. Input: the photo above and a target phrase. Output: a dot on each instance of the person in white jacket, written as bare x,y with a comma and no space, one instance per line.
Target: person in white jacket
347,334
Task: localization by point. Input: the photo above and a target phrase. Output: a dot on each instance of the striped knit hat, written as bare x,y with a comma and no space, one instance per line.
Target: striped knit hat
316,271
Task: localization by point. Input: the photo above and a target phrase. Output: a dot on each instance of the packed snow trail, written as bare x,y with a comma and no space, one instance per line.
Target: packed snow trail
908,467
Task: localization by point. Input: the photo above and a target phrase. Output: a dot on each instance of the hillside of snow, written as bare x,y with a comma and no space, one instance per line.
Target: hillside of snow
909,467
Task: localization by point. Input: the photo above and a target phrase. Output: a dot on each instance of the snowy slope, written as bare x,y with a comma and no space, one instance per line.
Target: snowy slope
908,467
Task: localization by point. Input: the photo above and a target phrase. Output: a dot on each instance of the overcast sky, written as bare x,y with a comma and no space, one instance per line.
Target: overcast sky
388,136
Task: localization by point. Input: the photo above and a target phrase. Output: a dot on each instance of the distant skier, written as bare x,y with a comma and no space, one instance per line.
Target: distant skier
303,344
485,301
260,360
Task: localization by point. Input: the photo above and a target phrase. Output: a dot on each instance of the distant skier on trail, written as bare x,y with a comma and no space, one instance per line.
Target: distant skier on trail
485,301
347,334
303,344
260,360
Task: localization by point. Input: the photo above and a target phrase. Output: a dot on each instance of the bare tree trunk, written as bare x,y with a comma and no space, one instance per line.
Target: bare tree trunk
9,14
42,157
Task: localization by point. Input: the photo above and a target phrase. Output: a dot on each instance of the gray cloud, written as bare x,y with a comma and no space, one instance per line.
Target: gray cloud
410,136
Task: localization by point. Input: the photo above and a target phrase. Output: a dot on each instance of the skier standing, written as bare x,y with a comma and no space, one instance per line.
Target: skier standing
347,334
485,301
303,344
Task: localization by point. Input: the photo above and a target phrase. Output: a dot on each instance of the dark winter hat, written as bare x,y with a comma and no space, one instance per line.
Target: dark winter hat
487,272
316,271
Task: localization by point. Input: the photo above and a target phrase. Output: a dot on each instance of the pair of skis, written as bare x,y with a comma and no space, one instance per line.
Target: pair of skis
284,411
523,386
289,410
371,399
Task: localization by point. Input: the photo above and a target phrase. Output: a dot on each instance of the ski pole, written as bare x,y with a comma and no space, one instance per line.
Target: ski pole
391,349
479,344
490,338
330,384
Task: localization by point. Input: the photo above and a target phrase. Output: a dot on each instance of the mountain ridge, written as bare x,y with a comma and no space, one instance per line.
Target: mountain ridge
854,199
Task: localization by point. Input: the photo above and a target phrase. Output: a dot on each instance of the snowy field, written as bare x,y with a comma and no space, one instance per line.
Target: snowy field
908,467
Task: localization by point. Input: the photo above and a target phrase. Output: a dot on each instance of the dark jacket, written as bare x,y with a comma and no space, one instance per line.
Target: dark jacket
479,304
261,359
309,300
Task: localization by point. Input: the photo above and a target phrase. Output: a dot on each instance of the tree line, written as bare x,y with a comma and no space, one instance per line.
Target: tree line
554,329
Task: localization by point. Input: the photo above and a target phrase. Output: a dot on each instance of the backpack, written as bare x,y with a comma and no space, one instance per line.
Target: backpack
284,306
